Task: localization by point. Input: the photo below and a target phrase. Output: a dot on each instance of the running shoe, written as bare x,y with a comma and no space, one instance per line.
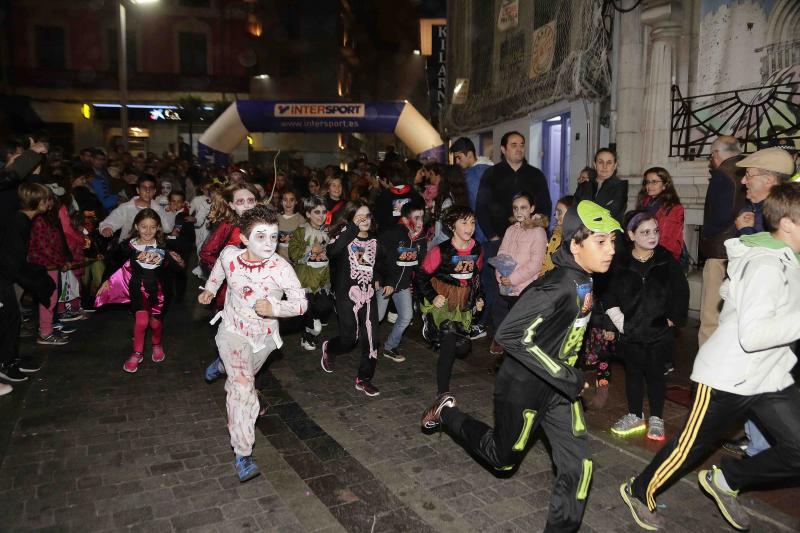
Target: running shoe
644,517
496,348
158,354
669,368
317,327
727,500
367,386
737,446
72,316
246,468
432,417
325,361
477,331
391,318
10,372
655,428
28,364
54,339
5,388
393,354
307,342
132,364
214,370
628,425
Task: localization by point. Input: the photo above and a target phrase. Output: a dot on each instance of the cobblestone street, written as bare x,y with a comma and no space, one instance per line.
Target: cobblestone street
87,447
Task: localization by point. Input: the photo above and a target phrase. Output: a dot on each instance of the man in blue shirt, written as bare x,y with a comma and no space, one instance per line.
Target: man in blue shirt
101,184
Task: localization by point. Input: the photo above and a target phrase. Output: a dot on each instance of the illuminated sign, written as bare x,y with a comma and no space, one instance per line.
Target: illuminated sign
320,110
161,113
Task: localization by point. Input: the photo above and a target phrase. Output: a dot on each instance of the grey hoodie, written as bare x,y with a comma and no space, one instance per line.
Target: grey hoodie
750,353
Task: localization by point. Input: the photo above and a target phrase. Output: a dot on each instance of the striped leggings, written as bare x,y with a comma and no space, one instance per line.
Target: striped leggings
712,414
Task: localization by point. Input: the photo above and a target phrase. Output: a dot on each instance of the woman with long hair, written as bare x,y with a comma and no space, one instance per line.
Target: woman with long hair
658,196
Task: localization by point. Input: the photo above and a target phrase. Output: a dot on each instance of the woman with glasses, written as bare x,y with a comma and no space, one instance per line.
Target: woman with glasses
658,196
647,297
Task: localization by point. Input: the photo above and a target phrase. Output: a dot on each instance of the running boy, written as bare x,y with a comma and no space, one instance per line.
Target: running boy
257,280
537,383
743,370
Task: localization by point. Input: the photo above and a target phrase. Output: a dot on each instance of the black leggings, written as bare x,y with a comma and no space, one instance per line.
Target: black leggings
453,345
352,331
644,365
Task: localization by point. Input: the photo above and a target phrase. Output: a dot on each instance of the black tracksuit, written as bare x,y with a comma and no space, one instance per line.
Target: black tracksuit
354,260
401,257
538,384
648,294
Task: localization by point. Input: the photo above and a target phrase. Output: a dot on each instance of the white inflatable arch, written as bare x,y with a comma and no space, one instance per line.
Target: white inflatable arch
246,116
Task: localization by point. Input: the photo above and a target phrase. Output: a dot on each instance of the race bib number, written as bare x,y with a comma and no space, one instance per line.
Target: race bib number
407,256
464,266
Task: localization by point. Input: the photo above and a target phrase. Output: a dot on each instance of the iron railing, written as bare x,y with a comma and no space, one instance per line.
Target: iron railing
758,117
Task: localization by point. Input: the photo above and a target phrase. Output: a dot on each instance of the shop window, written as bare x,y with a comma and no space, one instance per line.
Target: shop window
193,51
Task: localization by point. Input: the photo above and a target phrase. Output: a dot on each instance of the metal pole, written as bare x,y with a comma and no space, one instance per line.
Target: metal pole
122,60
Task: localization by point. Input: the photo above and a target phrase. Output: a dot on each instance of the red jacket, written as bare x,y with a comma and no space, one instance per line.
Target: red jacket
47,246
670,224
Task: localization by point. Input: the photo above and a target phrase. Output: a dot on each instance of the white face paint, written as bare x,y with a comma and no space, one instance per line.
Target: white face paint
262,241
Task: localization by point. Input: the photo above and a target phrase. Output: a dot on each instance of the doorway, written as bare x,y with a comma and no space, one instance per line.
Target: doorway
555,155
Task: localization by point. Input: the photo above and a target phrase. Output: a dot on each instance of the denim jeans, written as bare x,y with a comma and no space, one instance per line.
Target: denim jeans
405,312
758,442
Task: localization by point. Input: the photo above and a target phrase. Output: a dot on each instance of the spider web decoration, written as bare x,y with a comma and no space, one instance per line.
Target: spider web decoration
757,116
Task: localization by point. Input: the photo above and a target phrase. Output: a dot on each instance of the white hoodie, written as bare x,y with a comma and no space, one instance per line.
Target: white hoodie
122,218
750,353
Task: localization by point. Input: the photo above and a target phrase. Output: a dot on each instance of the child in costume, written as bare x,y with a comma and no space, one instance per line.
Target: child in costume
310,258
354,249
449,283
403,247
646,298
257,279
142,281
537,383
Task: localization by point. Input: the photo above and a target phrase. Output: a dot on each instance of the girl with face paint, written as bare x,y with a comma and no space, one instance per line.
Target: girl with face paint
354,249
257,280
226,210
307,252
647,296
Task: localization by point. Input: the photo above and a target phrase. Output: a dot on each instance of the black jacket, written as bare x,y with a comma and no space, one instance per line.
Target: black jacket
725,198
648,300
400,257
11,177
390,202
15,234
353,260
498,186
613,195
544,330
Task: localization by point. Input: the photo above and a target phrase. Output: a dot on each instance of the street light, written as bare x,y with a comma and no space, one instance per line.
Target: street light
122,61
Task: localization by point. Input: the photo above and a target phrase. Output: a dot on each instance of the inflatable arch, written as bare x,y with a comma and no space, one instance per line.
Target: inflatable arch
246,116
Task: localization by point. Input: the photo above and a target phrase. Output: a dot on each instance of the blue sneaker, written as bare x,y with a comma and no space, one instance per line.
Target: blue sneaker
246,467
63,328
214,370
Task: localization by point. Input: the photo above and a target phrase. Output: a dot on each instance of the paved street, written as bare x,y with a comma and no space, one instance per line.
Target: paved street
87,447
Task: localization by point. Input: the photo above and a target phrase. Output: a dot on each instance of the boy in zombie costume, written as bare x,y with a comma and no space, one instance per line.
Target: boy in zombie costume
257,279
537,383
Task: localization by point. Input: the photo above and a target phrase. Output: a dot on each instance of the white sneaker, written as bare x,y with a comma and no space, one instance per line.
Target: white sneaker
391,318
317,326
5,388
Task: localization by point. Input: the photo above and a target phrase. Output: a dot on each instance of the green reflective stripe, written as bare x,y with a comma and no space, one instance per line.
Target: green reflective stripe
531,330
547,362
578,424
586,477
505,468
528,415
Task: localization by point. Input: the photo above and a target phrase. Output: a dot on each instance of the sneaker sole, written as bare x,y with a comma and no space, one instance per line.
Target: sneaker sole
368,393
478,336
658,438
628,432
13,380
153,359
250,476
42,343
639,521
308,348
130,371
701,477
29,370
322,360
395,359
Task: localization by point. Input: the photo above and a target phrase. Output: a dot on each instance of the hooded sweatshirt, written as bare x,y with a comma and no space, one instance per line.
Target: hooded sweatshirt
750,352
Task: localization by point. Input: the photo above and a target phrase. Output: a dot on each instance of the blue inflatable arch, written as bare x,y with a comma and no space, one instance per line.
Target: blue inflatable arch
246,116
